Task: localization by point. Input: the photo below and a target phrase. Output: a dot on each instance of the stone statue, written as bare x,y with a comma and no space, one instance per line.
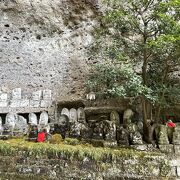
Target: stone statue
109,130
132,127
63,120
122,136
10,122
140,126
32,119
72,115
65,111
128,113
136,138
33,132
75,131
114,116
98,130
21,126
81,115
43,118
170,129
85,131
161,134
91,96
62,127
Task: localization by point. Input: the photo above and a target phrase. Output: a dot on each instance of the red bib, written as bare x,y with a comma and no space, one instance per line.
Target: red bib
170,124
40,137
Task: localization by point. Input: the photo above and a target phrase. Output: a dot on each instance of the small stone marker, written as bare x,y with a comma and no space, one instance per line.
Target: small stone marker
47,94
3,97
46,103
36,96
162,135
16,93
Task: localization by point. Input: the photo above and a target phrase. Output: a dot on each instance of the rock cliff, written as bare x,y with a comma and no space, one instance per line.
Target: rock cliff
43,45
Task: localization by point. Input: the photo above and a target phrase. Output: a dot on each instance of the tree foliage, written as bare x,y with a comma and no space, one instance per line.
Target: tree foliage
138,45
134,35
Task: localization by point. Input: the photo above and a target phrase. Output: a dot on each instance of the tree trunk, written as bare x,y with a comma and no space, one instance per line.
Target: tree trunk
146,126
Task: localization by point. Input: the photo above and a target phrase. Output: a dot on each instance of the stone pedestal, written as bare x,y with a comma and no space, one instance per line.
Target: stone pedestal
177,149
34,104
168,148
162,135
142,147
110,143
24,103
15,103
45,103
176,136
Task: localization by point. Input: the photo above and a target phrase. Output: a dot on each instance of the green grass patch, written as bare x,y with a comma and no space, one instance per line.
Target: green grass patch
76,151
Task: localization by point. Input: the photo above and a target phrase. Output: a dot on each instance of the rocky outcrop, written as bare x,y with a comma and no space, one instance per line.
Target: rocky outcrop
43,44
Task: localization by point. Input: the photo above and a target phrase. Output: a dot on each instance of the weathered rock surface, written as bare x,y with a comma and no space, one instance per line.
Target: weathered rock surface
42,44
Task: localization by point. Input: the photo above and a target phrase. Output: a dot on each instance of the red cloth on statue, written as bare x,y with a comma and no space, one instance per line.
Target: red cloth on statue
170,124
40,137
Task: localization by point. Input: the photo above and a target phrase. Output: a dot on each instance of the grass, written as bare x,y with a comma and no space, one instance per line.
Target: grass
63,149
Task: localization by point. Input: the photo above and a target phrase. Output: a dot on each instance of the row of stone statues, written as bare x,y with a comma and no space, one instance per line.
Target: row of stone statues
18,125
73,123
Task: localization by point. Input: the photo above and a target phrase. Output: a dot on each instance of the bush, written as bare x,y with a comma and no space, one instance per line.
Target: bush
56,139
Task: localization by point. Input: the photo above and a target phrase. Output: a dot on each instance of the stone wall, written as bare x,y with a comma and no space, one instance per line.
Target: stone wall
19,102
61,166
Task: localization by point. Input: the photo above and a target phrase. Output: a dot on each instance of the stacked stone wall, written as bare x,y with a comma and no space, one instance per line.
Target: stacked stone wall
63,168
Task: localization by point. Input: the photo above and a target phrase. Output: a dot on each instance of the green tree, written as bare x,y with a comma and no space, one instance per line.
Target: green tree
138,45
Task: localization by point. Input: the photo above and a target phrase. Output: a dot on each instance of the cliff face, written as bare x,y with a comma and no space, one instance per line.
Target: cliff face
43,44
